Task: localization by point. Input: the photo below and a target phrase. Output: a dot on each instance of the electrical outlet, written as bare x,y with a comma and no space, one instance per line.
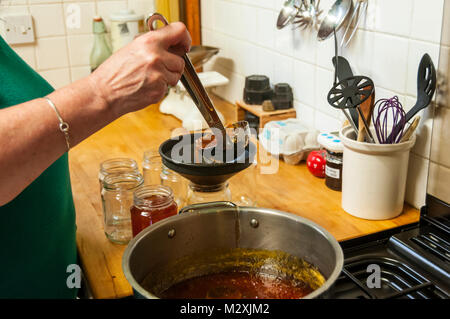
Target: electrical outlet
17,29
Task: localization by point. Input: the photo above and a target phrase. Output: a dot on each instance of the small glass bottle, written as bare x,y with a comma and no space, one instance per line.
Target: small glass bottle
117,198
152,203
208,193
101,49
151,168
117,166
176,182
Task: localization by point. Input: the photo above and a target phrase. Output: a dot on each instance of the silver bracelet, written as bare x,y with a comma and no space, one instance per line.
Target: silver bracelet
63,126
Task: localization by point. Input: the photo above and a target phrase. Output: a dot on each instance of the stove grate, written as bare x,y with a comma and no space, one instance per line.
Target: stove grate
435,244
397,281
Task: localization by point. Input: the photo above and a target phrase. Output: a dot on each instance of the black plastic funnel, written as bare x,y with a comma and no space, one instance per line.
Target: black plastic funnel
178,155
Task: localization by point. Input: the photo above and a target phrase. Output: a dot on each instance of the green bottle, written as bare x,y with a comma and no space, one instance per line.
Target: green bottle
101,49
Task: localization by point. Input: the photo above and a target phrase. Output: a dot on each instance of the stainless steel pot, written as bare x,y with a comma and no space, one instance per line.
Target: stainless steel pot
205,227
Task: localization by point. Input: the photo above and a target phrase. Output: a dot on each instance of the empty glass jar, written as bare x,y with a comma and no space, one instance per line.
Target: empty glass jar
117,199
117,166
176,182
151,168
208,193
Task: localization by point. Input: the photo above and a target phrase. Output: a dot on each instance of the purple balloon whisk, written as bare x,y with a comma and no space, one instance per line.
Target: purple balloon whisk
389,115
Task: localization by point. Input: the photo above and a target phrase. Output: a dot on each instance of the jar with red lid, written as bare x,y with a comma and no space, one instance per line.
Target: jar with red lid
152,203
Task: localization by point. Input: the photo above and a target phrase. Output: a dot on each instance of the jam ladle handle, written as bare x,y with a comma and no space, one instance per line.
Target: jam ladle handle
155,17
196,89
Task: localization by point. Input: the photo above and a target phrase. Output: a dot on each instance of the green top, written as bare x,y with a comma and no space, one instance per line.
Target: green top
37,228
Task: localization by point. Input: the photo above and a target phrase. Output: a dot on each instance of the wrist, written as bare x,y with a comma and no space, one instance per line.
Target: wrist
99,96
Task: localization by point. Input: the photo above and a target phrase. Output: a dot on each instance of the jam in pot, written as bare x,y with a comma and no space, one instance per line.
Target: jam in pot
151,204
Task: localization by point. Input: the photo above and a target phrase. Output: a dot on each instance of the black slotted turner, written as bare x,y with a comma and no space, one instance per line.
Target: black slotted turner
426,86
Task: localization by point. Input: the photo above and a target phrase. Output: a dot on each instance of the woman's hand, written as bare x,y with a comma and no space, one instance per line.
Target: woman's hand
138,74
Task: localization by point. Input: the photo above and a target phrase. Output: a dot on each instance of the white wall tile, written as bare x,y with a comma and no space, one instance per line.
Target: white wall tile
13,2
6,10
325,53
390,61
266,60
394,17
427,20
439,185
27,53
247,23
48,20
265,30
283,70
305,46
51,53
57,78
80,47
304,82
87,12
43,1
207,16
323,83
268,4
305,114
249,62
325,123
360,54
144,7
79,72
221,16
284,41
106,8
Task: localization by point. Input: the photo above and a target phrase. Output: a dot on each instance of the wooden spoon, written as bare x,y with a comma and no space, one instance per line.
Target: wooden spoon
367,110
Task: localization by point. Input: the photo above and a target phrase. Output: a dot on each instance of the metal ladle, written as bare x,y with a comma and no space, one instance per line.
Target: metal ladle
194,87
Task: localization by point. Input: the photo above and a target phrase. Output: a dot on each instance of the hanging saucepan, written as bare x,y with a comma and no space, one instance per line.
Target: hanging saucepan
209,238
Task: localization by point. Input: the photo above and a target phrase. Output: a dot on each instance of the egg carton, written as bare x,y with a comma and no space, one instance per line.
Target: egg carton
289,139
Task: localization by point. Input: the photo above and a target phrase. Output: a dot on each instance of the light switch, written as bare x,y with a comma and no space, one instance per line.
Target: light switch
17,29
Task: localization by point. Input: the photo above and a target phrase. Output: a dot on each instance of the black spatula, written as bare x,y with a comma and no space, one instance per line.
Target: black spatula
344,71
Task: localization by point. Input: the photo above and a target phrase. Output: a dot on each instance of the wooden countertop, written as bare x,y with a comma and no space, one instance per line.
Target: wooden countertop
292,189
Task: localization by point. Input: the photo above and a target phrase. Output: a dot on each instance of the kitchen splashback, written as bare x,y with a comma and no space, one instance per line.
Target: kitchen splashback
61,53
388,47
439,174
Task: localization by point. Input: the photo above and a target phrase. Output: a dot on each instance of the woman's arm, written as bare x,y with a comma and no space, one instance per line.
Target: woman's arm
133,78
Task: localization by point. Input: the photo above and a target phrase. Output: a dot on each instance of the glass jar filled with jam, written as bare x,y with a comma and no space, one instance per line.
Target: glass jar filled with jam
152,203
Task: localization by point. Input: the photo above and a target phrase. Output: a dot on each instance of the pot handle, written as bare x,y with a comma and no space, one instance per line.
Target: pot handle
201,206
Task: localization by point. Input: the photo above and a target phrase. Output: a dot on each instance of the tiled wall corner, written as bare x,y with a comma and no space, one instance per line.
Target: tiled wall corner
388,47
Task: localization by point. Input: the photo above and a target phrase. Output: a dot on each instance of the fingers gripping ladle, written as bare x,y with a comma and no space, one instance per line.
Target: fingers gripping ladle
195,87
